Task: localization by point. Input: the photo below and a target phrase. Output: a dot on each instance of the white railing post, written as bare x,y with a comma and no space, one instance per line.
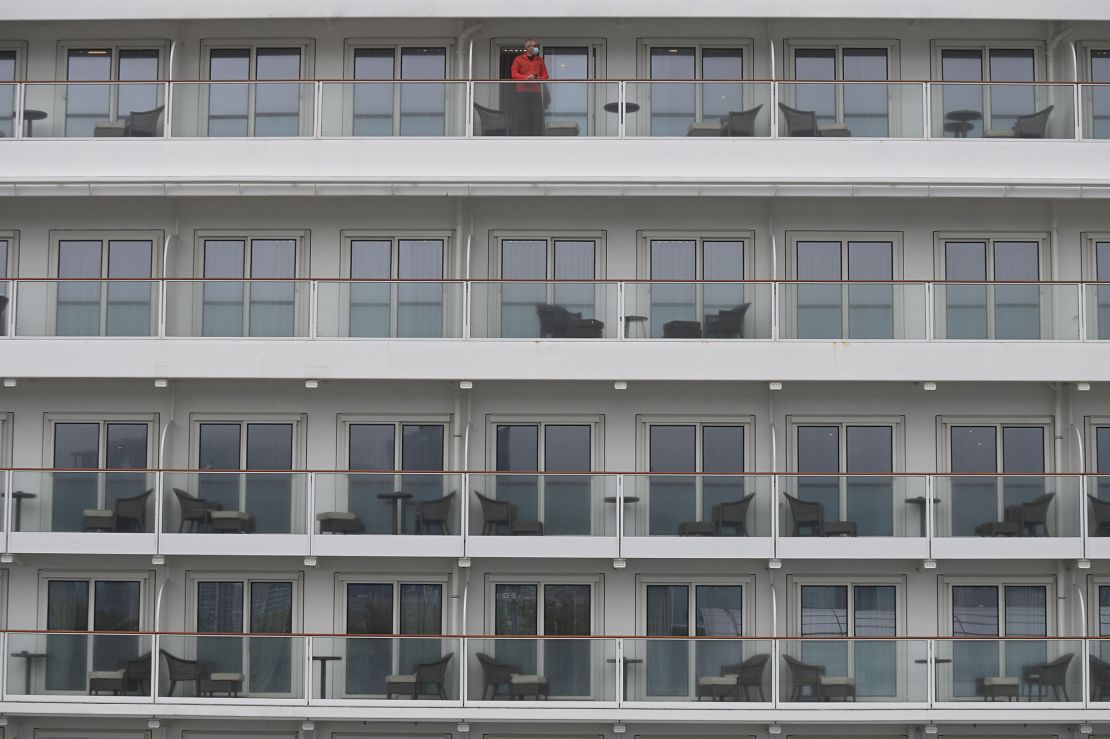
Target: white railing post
775,513
622,98
161,308
774,108
468,113
622,325
9,482
618,663
1077,96
776,662
464,510
926,111
13,305
313,307
775,315
1081,288
620,516
931,666
929,511
930,322
20,103
317,112
155,650
310,523
464,650
306,666
167,111
1083,524
467,296
159,506
1084,672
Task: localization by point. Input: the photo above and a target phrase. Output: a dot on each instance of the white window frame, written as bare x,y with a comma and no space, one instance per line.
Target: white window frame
1044,267
156,238
450,307
192,734
1091,424
397,420
644,422
947,582
896,240
299,421
342,580
20,49
1090,241
986,46
595,44
944,437
897,425
47,733
65,46
497,238
894,93
11,266
596,582
193,578
301,298
596,423
645,44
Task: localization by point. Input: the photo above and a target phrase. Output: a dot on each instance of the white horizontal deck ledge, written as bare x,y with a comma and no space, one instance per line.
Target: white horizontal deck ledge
42,10
603,167
479,359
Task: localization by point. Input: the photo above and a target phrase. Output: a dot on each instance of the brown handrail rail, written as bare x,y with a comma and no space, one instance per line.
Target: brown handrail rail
579,637
559,473
538,281
576,80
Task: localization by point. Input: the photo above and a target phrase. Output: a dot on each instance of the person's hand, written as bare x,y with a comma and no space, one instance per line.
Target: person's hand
531,76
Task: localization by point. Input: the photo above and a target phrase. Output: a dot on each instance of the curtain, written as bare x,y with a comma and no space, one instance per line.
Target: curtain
271,658
667,661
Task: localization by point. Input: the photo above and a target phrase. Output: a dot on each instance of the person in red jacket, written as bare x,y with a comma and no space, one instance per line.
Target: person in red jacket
526,118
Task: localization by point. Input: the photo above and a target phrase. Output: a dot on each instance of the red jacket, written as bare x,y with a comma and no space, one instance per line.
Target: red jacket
525,65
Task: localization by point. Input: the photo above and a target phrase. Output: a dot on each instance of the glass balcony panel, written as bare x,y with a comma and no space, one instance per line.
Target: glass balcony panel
1095,106
989,670
1097,308
1098,507
853,505
1006,505
547,108
92,109
389,309
697,108
8,127
856,311
74,308
689,670
854,670
691,310
1002,110
237,502
528,669
553,309
392,108
513,504
87,665
242,109
855,109
1098,654
388,503
697,505
1006,311
386,667
238,308
116,501
223,666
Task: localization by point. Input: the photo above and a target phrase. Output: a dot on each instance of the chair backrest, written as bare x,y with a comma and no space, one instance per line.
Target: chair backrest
133,507
1034,125
1056,670
799,122
742,122
804,511
751,669
494,510
1100,670
493,122
492,670
180,669
437,509
732,319
1036,510
735,511
138,668
433,672
553,319
191,506
1101,509
145,122
800,671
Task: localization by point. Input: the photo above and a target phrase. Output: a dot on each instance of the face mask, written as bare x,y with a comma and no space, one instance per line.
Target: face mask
535,51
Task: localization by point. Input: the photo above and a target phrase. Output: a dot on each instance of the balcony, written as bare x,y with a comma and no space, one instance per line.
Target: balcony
599,677
635,137
557,514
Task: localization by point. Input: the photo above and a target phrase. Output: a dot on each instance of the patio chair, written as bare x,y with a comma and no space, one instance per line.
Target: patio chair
804,123
810,517
498,513
712,127
802,676
1100,515
742,122
145,123
127,514
1023,519
733,515
1031,126
495,675
1100,679
726,324
137,675
195,512
340,522
427,674
3,310
556,322
434,513
491,122
181,671
735,681
1048,675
